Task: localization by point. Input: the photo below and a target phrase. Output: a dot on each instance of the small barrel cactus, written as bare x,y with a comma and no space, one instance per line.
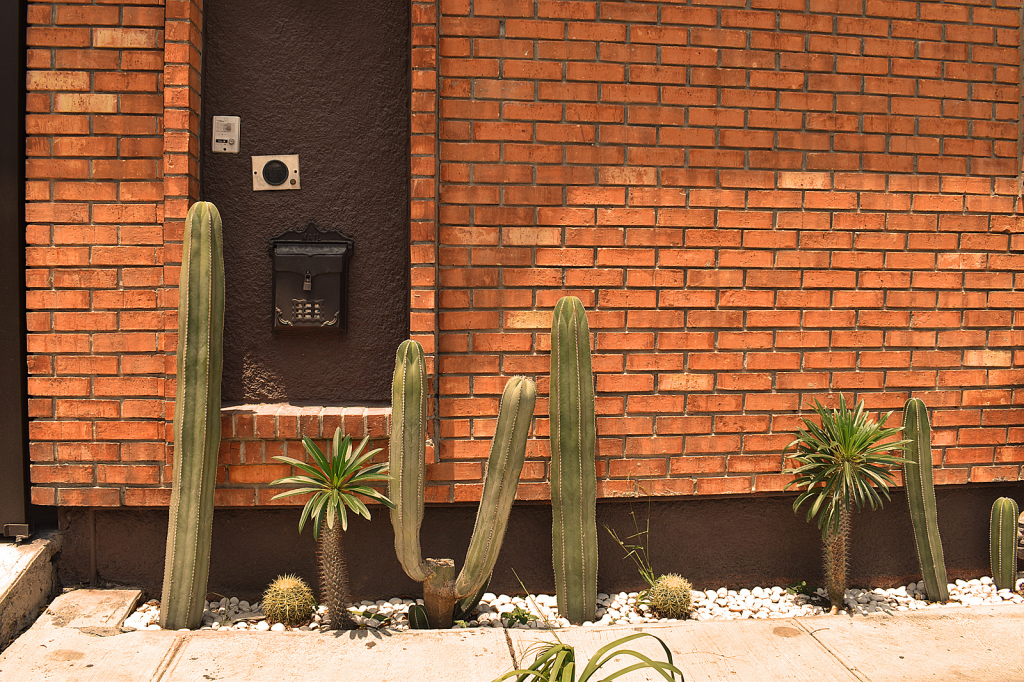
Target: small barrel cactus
418,617
670,596
288,600
1002,539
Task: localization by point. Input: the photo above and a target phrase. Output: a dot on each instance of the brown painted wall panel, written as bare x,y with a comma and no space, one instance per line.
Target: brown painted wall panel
328,81
739,541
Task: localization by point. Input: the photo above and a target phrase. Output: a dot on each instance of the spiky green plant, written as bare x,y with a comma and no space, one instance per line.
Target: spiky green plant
671,596
573,473
418,617
1003,542
556,662
844,465
196,419
288,600
334,482
443,588
917,481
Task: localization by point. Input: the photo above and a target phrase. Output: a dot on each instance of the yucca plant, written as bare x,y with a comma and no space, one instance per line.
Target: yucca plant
556,662
845,464
335,483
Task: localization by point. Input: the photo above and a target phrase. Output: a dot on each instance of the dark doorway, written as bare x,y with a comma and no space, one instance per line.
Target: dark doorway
328,81
13,427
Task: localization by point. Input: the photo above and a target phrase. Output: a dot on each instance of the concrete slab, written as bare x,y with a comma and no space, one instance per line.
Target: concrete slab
740,650
72,656
426,656
93,609
28,579
976,643
79,637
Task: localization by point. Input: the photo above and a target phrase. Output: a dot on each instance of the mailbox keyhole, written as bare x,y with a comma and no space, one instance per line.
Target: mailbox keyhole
307,284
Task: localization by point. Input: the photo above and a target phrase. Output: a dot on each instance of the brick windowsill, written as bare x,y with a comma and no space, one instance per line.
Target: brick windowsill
284,421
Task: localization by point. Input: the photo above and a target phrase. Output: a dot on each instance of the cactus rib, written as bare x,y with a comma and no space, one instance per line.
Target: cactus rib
197,418
917,480
504,465
1003,541
408,455
573,476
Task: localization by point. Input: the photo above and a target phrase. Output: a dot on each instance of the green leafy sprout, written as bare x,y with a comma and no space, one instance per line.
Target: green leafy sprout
335,481
556,662
799,588
844,463
519,615
635,546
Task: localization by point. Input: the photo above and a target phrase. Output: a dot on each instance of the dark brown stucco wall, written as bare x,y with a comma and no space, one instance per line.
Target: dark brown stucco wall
739,542
327,81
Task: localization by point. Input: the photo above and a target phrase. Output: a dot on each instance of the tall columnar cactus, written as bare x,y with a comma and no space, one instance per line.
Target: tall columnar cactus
1003,542
917,480
408,456
442,588
196,419
573,476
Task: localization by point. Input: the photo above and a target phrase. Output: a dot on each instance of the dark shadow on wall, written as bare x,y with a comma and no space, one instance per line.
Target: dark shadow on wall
738,542
328,81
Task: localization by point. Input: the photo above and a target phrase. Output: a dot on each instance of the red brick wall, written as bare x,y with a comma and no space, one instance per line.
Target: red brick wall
96,310
759,206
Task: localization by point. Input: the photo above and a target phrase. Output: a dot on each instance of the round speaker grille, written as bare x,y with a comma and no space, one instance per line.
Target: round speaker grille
275,172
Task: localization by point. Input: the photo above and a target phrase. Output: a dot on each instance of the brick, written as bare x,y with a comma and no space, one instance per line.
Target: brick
84,103
88,497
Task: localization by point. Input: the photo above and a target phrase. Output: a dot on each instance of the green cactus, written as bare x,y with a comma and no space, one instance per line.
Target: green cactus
408,456
418,617
288,600
196,419
442,588
1003,542
671,596
573,476
917,480
464,607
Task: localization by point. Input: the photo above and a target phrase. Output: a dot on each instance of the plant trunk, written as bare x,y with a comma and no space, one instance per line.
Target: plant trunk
835,560
439,594
334,590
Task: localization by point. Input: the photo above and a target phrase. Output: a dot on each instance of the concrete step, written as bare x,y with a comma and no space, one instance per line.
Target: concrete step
28,578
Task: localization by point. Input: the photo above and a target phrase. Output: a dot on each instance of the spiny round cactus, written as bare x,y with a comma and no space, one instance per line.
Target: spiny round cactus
288,600
670,596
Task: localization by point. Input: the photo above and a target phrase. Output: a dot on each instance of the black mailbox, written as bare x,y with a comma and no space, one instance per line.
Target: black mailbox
310,278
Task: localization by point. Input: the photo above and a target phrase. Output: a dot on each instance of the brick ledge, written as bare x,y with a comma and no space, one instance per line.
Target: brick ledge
287,421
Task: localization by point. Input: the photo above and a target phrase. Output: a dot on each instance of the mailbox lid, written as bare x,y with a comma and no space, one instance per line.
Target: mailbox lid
313,264
283,248
311,250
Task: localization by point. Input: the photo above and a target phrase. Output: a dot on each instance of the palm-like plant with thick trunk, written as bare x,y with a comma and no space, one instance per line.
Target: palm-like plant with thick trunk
335,483
845,464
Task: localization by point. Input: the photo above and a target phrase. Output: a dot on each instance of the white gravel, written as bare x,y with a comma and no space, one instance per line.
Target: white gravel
621,608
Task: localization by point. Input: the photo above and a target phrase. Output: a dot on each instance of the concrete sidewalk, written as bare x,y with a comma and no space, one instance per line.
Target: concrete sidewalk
79,639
